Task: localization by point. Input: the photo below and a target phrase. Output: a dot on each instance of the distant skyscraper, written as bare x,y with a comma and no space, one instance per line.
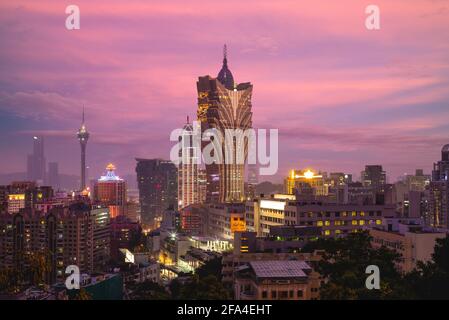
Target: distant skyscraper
223,104
439,191
374,176
253,180
158,188
188,182
417,182
110,191
83,137
53,175
36,161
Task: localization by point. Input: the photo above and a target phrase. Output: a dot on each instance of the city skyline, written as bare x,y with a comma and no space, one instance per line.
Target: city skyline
329,87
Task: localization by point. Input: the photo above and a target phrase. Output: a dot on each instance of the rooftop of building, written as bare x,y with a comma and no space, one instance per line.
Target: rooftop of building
280,269
292,231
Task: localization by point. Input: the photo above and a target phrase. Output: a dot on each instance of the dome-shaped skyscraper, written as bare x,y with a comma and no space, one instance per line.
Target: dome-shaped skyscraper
222,105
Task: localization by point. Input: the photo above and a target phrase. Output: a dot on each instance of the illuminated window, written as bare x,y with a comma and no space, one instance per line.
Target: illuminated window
344,214
361,222
327,223
354,213
354,222
337,231
327,232
337,223
319,223
362,213
378,222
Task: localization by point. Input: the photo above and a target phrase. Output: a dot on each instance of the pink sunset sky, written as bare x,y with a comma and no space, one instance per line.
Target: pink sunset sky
341,96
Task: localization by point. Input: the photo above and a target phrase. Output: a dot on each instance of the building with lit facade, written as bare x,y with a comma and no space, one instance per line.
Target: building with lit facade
71,235
224,104
281,239
335,219
23,194
439,191
193,219
299,181
110,190
224,219
124,233
202,185
158,189
188,170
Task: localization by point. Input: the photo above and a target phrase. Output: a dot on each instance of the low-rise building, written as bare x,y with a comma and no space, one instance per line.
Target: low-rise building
195,258
276,280
409,238
232,261
335,219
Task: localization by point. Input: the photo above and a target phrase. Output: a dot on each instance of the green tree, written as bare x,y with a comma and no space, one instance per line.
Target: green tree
147,290
211,267
344,264
207,288
39,267
431,280
82,295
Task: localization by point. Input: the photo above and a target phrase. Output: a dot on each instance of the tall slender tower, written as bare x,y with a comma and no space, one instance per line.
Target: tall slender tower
83,136
36,161
188,182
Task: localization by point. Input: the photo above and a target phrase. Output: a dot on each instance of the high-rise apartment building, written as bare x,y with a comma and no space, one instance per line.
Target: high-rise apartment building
439,191
110,190
158,188
77,234
224,104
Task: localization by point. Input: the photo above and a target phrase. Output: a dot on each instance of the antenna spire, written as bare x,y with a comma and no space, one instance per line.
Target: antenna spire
225,53
83,113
